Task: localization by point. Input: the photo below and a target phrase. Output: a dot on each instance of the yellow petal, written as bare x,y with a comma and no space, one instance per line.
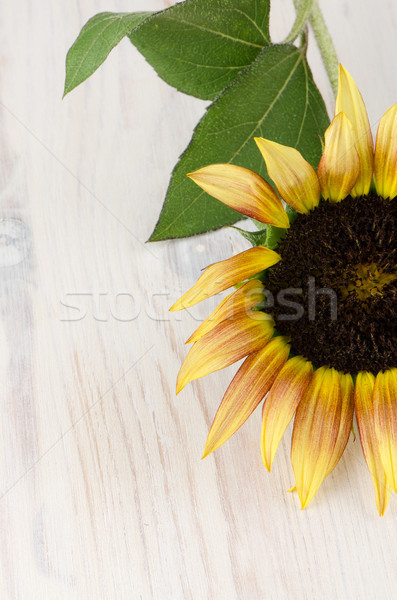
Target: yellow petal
224,345
385,412
248,388
244,191
222,275
339,166
315,432
281,404
346,420
294,178
385,165
365,418
350,101
242,300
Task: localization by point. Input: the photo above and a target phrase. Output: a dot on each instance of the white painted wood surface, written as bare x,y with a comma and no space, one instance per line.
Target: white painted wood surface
103,495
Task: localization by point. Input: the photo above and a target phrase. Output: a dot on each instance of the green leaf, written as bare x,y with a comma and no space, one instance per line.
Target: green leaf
275,98
97,38
200,46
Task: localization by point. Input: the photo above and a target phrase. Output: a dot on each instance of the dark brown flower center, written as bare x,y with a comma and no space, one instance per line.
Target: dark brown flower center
334,292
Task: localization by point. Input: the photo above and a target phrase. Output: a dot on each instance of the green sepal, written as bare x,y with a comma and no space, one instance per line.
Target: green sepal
255,238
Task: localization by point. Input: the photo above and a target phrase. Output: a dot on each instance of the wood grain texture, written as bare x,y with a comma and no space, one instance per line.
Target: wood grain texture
103,495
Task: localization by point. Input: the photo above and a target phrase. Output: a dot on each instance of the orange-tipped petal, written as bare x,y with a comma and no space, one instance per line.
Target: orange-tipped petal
294,177
315,432
224,345
365,418
346,420
281,404
247,389
384,399
339,166
222,275
242,300
244,191
350,102
385,163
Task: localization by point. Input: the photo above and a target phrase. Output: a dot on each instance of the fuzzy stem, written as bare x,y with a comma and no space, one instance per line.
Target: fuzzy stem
303,9
324,43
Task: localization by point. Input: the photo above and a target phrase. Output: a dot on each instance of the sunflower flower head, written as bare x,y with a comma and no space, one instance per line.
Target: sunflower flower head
314,317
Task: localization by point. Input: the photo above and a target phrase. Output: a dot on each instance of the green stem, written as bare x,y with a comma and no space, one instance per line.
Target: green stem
325,45
324,42
303,10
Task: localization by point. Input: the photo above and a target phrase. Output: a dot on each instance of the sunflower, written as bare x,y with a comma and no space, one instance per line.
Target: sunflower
314,312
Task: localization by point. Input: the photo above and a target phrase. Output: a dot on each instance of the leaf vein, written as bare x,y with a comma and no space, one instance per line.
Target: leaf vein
206,29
